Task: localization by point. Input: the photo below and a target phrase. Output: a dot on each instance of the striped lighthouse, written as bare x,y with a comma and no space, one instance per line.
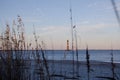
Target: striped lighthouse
67,45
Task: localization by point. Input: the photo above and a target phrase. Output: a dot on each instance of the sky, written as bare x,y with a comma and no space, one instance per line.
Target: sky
95,21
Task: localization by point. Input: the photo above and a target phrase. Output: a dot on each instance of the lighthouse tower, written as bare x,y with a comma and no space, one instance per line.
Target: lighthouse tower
67,45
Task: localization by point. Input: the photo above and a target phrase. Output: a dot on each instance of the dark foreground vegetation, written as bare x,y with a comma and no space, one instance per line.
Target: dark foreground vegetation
18,62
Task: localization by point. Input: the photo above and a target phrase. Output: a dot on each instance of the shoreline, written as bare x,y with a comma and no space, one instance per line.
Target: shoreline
63,69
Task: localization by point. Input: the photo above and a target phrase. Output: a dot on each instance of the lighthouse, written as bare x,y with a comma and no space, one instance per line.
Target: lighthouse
67,45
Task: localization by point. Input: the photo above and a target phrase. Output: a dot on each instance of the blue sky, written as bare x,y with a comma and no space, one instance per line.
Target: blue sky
95,20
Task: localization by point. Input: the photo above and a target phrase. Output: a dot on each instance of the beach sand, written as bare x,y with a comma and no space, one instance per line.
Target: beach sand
63,70
98,70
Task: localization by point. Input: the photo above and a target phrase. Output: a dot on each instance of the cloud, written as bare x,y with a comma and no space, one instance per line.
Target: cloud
92,5
53,30
118,6
59,34
104,5
97,26
31,20
110,6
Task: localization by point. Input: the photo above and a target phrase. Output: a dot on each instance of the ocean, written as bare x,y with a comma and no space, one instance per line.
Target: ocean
95,55
100,68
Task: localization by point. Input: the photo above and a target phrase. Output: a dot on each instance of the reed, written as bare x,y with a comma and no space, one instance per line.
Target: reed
11,54
88,63
77,54
41,60
19,63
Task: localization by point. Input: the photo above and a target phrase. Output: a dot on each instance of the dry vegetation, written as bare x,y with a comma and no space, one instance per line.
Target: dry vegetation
17,61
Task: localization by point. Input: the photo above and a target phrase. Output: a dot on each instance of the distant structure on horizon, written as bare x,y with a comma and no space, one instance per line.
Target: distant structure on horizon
67,45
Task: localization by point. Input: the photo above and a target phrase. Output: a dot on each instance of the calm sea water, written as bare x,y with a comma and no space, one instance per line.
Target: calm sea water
97,55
